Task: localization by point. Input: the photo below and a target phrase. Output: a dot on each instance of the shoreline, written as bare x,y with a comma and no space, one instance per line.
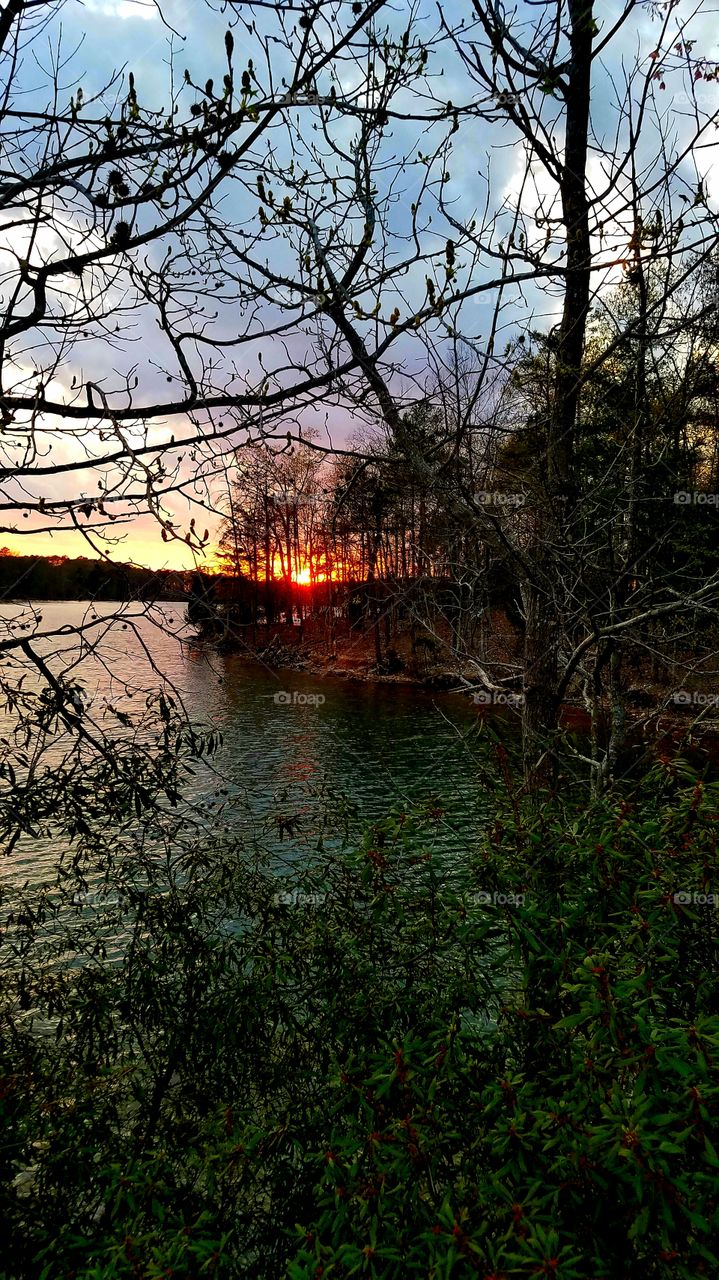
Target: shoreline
646,713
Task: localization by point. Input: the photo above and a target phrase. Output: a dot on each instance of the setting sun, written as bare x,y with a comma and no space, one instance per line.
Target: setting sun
300,573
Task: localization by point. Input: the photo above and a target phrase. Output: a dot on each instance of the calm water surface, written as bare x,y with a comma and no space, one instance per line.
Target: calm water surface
289,739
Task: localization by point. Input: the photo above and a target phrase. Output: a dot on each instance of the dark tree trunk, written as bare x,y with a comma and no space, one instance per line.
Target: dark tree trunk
551,558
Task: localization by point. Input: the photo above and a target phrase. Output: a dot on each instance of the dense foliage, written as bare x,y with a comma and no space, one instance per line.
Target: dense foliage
390,1064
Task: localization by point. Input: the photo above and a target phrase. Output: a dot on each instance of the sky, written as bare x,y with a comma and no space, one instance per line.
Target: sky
100,38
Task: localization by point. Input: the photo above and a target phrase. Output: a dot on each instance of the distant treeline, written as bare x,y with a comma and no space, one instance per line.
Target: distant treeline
60,578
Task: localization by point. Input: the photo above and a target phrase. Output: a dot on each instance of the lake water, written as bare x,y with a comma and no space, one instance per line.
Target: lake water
292,743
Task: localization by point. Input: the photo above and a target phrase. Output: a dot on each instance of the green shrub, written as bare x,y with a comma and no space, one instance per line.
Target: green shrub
371,1069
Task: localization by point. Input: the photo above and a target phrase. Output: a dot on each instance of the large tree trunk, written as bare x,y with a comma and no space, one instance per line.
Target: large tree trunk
552,552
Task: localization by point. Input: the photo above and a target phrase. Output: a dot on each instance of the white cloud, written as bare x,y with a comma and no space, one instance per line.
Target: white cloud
144,9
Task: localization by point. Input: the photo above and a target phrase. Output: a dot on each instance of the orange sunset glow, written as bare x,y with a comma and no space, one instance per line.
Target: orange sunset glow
142,548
